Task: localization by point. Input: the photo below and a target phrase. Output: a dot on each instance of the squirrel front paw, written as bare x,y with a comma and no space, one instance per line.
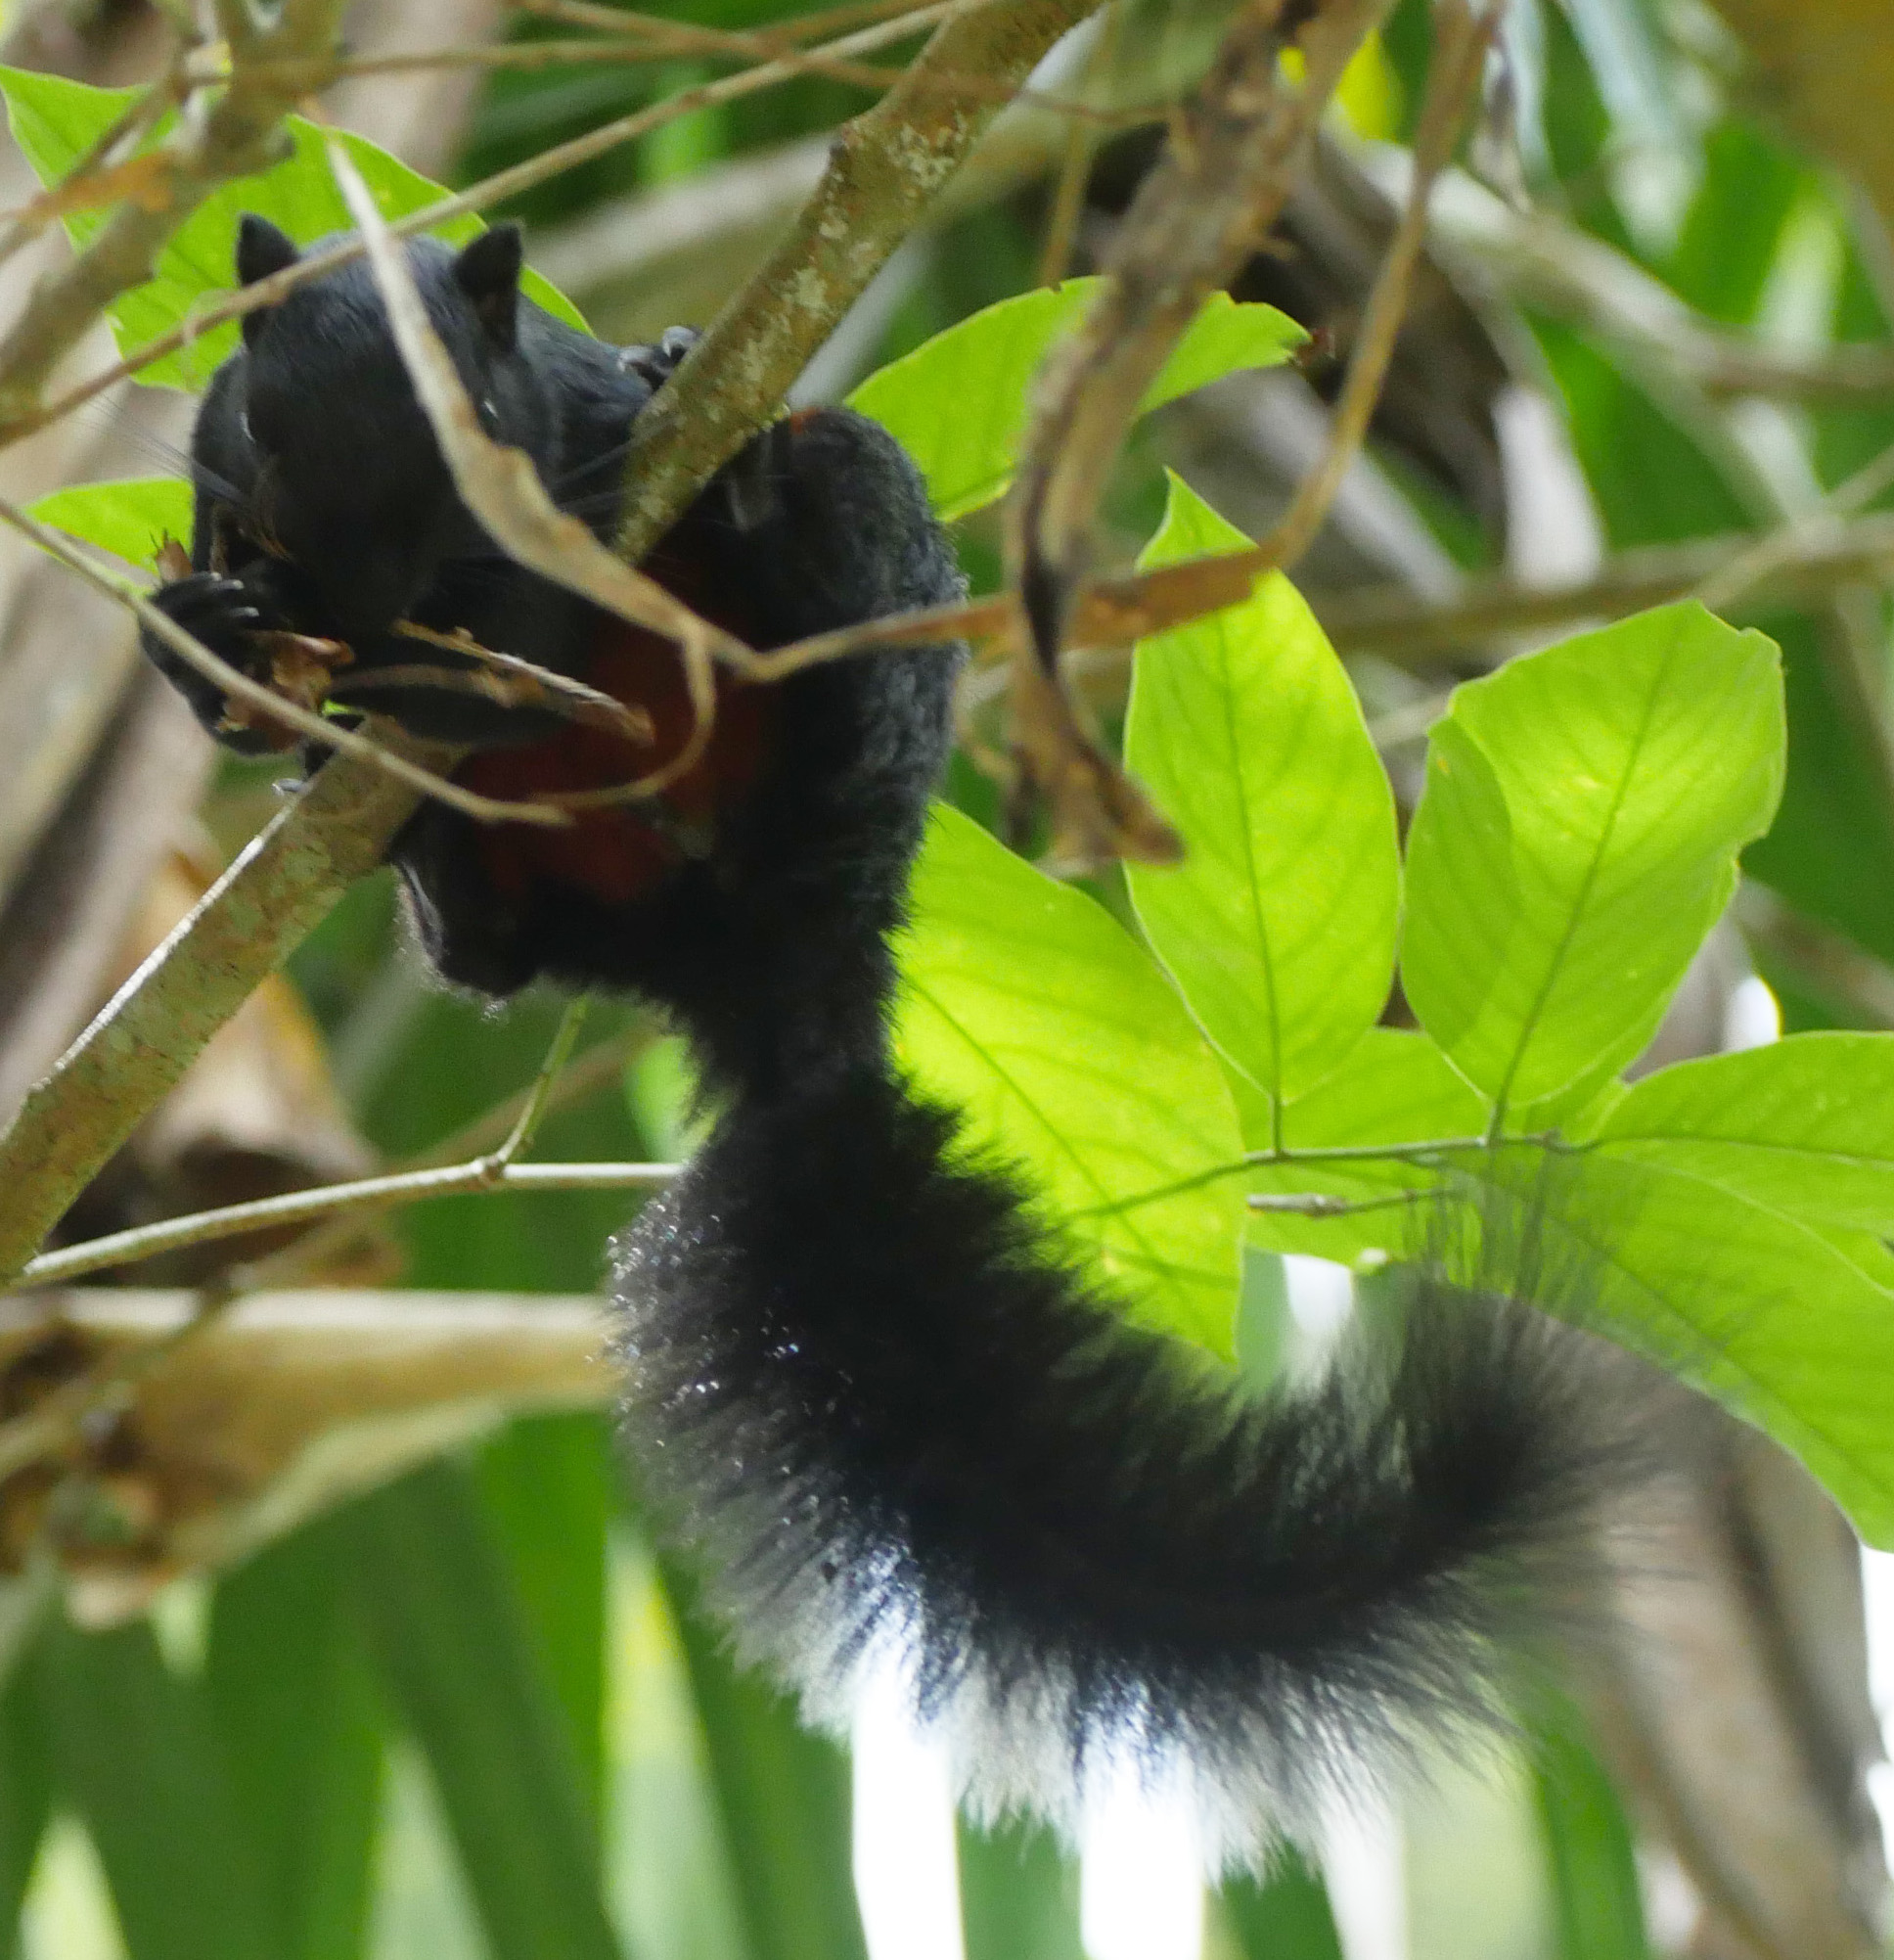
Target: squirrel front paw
231,618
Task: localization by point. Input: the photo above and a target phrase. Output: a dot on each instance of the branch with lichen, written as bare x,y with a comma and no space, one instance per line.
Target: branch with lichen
885,167
887,163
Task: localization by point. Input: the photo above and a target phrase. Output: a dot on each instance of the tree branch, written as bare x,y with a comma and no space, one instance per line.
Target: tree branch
344,821
885,167
145,1038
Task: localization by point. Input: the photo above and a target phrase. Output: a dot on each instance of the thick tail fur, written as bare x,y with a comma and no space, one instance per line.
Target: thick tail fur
907,1430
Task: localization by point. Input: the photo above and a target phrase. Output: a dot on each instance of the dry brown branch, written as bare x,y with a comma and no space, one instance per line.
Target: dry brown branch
512,682
1462,38
1805,562
1231,158
885,168
1117,611
215,141
288,1404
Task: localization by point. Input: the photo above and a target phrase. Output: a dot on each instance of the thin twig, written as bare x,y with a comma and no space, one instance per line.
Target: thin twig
532,1111
1317,1204
491,1170
316,71
514,682
492,189
1768,554
237,132
1074,167
1461,39
296,1208
277,707
1805,562
783,37
599,1063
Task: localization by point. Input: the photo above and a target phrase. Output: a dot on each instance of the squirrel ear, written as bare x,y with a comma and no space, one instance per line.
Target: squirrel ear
488,271
261,250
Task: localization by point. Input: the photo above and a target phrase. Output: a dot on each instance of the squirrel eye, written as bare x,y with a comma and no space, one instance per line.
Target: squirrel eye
489,408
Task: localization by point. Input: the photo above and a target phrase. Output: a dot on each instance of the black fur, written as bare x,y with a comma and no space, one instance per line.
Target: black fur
907,1428
903,1423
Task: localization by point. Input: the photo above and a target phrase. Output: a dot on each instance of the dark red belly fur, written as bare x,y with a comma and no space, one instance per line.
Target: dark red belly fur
618,854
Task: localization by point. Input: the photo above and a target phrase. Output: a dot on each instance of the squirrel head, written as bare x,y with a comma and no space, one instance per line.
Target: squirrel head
350,483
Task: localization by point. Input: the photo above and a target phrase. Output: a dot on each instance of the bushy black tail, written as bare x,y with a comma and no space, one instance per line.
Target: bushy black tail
905,1428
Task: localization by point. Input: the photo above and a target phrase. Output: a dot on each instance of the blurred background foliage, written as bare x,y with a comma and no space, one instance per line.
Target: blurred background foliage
470,1712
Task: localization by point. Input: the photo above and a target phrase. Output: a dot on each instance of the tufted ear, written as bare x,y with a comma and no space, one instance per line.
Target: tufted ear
261,250
488,271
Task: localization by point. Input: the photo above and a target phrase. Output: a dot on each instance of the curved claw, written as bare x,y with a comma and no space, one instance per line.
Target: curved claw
655,365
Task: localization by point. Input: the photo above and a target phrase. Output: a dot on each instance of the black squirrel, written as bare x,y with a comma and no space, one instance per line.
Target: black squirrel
895,1413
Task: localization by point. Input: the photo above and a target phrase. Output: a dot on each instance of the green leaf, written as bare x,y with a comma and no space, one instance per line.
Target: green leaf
56,121
959,404
1396,1088
1577,838
1805,1126
547,1485
289,1681
26,1799
1284,1917
1227,336
1279,926
1732,230
1026,1004
130,516
1018,1895
1788,1326
135,1751
446,1627
782,1796
1597,1903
